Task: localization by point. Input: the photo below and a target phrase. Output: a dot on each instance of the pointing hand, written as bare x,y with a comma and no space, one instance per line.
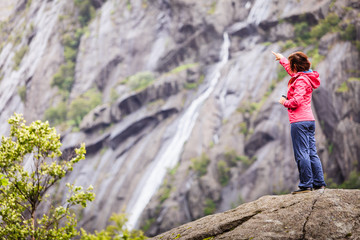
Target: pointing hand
278,56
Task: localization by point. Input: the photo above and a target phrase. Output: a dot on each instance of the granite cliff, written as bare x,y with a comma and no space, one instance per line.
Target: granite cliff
177,100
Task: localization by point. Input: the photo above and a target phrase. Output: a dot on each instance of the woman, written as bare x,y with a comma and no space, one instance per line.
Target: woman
298,102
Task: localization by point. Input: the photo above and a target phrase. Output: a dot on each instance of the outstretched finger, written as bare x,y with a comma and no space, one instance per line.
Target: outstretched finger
274,53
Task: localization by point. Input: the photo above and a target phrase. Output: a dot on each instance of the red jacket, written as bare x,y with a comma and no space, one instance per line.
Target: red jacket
300,88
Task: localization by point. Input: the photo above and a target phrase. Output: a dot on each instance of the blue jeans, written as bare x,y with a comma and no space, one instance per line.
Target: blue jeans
308,162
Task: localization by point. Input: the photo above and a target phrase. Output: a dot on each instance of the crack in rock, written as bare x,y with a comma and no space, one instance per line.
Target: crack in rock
229,226
308,217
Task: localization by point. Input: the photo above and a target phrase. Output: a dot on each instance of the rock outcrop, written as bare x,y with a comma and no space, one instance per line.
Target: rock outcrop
210,96
329,214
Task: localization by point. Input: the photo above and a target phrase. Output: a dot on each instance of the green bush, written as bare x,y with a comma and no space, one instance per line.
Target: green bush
183,67
301,30
224,172
243,128
349,33
210,207
333,19
64,78
56,115
190,86
288,44
19,56
231,158
316,58
352,182
86,11
116,231
148,224
140,81
200,164
343,88
245,160
83,104
22,93
319,30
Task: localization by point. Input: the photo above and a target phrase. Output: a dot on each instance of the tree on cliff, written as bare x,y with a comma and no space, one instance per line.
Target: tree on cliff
23,185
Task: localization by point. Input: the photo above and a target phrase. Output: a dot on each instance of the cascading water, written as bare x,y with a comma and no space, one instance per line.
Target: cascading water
169,154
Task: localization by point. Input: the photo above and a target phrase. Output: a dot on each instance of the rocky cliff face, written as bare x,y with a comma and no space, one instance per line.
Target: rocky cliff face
188,121
332,214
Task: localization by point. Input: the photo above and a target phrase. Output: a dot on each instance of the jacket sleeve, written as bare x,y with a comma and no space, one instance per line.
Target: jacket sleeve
285,63
299,93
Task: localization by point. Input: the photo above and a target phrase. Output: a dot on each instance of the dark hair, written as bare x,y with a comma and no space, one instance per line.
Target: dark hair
299,62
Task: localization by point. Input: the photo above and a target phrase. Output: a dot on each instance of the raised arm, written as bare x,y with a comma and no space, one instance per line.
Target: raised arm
284,62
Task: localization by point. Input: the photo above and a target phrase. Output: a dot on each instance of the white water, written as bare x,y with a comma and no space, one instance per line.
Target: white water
169,155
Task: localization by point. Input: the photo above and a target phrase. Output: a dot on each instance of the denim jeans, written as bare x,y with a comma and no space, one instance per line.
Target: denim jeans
308,162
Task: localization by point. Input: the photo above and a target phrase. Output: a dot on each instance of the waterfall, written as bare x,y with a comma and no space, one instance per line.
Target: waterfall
169,155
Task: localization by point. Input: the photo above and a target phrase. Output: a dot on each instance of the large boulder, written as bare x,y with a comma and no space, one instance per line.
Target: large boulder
329,214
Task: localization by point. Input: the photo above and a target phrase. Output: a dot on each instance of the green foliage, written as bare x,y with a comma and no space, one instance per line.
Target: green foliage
86,11
232,158
316,58
357,44
200,164
210,207
190,86
349,33
248,107
140,81
19,56
56,115
116,231
22,93
353,79
352,182
281,73
148,224
23,190
343,88
128,5
173,170
193,85
64,78
224,172
245,160
305,35
113,95
301,30
288,44
212,7
183,68
243,128
83,104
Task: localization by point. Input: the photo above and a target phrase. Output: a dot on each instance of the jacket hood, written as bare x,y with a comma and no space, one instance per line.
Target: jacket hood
313,77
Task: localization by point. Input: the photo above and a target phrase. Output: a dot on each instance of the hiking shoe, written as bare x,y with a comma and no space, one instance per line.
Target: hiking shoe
302,190
319,187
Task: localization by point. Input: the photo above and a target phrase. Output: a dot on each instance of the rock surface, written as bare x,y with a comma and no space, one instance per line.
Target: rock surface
329,214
